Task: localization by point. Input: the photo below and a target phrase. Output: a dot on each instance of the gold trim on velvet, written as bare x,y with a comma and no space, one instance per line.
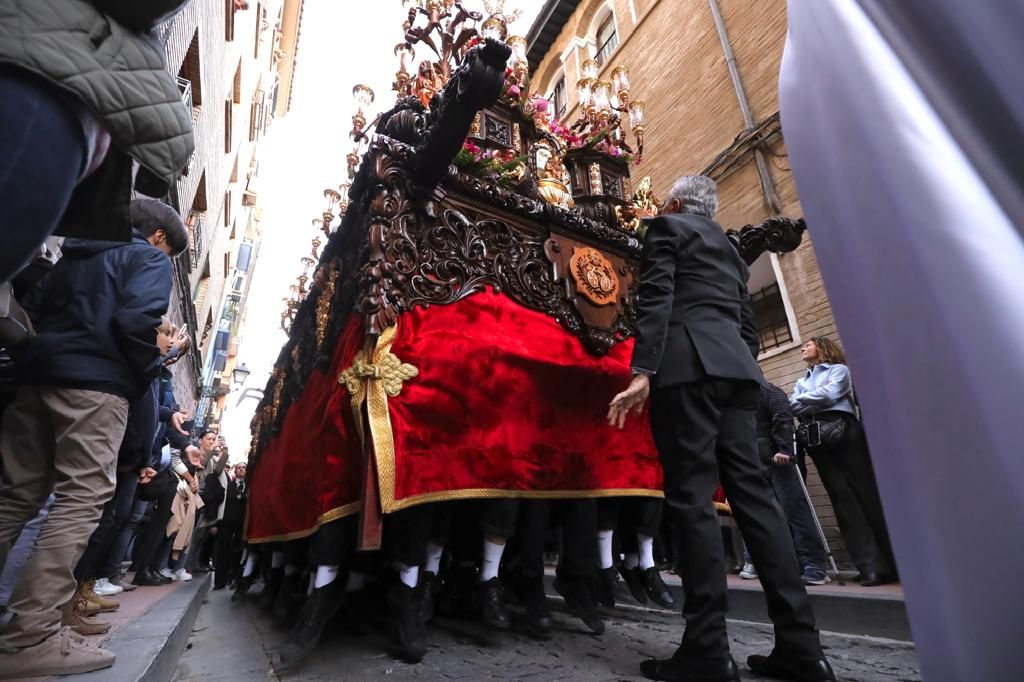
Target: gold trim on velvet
492,493
332,515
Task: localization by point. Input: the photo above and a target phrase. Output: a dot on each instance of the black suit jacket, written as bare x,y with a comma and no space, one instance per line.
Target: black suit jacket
694,315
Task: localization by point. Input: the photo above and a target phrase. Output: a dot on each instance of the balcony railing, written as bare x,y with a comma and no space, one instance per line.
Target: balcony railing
195,228
185,88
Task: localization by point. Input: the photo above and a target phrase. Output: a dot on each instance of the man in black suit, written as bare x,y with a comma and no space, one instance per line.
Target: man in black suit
695,357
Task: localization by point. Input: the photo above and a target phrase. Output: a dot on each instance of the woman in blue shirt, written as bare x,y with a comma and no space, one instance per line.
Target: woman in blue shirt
832,435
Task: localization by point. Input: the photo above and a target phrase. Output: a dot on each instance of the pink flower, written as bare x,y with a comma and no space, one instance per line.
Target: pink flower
514,92
541,104
615,151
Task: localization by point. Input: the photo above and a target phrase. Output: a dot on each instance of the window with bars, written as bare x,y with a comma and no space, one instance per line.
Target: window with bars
607,39
558,99
770,315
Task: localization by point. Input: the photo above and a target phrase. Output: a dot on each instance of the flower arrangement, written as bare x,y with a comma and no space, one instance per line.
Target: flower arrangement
507,167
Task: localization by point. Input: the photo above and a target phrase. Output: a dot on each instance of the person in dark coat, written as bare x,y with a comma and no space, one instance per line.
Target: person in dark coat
87,100
695,357
228,552
94,352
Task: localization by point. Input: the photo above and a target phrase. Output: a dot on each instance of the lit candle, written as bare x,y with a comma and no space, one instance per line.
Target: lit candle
636,113
363,97
620,80
591,69
602,96
586,92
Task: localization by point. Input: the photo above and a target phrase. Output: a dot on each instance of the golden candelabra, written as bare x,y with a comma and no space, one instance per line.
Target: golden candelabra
602,103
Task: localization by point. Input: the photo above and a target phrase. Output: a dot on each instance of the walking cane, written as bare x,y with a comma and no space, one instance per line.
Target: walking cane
814,515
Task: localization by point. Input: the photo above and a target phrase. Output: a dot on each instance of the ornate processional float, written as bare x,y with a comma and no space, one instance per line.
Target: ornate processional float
460,333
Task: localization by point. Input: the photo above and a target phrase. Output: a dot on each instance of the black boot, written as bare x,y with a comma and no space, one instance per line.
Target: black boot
578,599
318,609
538,616
656,588
405,606
492,604
146,578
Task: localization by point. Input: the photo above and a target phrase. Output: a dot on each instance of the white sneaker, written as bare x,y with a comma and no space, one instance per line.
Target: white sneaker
105,588
182,576
167,573
748,572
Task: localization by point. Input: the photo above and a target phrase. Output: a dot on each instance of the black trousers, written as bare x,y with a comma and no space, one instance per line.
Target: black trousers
628,516
706,431
849,479
152,536
578,520
227,553
115,514
407,532
334,543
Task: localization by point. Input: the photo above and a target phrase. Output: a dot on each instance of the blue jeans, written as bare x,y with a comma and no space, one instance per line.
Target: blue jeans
42,151
112,567
785,483
19,552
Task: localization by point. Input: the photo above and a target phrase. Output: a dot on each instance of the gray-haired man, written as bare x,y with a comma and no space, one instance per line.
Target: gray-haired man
695,356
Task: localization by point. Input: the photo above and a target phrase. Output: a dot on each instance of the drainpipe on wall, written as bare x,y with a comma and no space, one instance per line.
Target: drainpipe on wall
771,197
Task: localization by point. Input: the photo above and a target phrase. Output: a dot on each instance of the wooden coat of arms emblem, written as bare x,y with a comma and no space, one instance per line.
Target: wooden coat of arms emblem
594,276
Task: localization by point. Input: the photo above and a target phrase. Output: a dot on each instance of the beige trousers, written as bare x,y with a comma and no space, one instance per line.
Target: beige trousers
65,441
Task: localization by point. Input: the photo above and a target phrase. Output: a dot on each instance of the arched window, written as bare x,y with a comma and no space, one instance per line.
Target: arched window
559,99
607,39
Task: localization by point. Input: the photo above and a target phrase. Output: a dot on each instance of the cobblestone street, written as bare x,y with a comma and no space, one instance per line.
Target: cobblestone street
235,642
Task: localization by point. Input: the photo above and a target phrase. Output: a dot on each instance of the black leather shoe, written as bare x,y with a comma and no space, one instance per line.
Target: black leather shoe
272,585
538,616
146,578
430,585
635,582
579,600
690,671
872,579
492,604
318,609
607,579
781,667
242,586
405,606
656,588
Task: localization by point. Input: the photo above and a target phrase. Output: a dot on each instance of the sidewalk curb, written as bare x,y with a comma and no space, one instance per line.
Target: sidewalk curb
148,648
882,616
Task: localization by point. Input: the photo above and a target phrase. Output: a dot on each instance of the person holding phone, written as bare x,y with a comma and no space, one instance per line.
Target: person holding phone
833,436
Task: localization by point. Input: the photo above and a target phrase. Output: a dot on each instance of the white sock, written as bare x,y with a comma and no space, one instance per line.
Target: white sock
356,582
291,569
250,566
604,548
646,543
632,561
325,575
409,575
492,560
434,552
277,560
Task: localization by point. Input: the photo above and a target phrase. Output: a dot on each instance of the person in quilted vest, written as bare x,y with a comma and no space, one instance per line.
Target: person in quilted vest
84,94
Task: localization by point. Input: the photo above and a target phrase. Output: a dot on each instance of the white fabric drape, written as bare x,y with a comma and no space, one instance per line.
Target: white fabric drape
925,273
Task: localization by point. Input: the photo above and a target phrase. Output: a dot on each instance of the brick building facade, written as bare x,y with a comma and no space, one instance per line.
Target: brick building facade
695,124
234,60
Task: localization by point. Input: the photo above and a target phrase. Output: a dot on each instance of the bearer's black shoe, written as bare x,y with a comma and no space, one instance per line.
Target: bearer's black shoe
674,670
781,667
242,586
656,588
538,616
430,585
318,609
579,600
607,579
634,578
492,603
405,606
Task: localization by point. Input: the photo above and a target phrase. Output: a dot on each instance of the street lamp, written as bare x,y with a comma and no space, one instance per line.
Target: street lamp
240,373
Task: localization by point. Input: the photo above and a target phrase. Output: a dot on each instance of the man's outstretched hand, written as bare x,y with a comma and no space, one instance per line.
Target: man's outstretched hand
632,399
